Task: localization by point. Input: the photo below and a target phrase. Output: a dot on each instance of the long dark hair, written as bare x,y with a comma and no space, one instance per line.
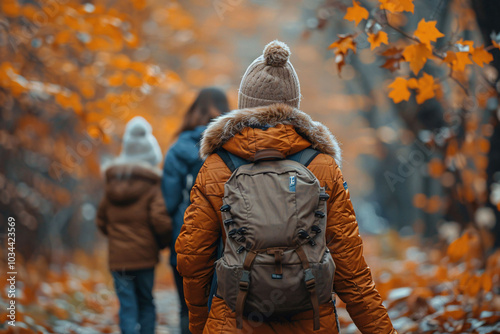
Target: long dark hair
210,103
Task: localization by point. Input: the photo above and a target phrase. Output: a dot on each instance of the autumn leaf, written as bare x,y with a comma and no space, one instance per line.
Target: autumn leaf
340,61
344,44
400,90
465,46
417,55
481,56
393,58
495,44
356,13
457,60
486,282
425,86
427,32
397,6
458,248
377,39
341,48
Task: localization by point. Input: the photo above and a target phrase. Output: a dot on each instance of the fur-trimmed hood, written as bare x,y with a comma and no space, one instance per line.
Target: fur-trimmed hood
225,127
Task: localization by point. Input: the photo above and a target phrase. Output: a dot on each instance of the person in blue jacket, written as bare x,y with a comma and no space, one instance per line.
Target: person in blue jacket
181,167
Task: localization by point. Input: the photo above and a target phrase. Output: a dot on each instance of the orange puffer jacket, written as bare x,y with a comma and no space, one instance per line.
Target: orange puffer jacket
243,133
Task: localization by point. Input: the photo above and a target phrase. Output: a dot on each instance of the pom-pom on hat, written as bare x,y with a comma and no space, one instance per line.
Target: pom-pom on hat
139,144
270,79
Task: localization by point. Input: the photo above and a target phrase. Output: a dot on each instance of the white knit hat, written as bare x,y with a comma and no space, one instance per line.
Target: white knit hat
139,144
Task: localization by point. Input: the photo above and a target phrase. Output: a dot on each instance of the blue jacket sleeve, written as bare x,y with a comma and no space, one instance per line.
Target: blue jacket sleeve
175,171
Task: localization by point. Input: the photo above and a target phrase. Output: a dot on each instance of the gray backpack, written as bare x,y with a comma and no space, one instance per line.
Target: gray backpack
275,262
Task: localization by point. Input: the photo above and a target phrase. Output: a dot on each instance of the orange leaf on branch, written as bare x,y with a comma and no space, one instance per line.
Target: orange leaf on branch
344,44
426,87
465,46
457,60
481,56
377,39
356,13
417,55
427,32
397,6
341,47
400,90
495,44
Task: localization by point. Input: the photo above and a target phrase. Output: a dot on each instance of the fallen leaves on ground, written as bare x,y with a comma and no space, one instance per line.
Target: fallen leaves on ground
77,298
433,290
425,289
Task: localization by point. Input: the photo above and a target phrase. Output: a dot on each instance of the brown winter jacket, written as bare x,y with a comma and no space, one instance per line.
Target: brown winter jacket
133,216
244,132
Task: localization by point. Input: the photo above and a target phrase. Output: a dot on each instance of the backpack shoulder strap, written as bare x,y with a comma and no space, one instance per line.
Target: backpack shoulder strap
304,157
232,161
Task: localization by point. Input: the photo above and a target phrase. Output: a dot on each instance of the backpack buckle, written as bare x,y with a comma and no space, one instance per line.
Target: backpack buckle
242,230
324,196
245,280
309,279
303,234
316,229
319,214
232,233
229,221
225,208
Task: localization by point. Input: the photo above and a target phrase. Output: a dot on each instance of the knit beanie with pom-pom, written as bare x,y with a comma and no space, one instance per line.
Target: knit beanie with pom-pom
139,144
270,79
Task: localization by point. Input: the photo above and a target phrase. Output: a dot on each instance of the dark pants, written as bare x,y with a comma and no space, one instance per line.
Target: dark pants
135,293
184,316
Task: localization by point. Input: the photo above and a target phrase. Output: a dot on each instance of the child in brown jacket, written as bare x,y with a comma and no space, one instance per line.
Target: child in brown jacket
133,216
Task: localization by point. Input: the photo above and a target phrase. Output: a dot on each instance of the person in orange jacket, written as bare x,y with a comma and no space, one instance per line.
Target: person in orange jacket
269,118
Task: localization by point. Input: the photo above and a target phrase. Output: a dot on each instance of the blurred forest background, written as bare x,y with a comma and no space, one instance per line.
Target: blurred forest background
423,169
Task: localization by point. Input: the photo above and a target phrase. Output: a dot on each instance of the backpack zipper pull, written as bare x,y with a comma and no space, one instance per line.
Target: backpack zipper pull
240,250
